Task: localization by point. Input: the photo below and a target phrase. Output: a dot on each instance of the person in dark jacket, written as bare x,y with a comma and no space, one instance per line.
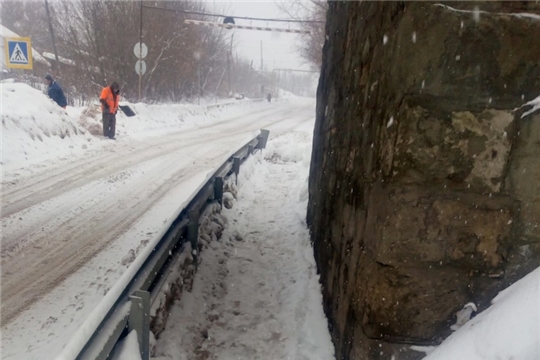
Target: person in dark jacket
110,96
55,91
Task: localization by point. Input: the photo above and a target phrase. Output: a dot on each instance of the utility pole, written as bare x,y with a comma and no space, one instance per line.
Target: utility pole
229,56
229,70
52,34
140,52
200,83
261,57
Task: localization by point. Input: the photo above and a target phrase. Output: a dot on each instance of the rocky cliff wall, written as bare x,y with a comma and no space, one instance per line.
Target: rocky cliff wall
424,183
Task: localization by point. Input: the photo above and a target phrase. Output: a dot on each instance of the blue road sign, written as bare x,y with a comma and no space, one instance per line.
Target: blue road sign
18,53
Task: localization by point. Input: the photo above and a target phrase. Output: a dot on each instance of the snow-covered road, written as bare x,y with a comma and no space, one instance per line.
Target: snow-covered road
57,222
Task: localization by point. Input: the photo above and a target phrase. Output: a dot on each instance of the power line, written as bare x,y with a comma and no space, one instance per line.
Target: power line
235,17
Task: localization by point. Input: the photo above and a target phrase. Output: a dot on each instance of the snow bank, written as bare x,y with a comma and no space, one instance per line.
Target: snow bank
34,128
295,147
508,329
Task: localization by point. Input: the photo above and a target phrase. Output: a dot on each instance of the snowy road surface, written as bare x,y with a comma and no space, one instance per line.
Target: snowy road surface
56,223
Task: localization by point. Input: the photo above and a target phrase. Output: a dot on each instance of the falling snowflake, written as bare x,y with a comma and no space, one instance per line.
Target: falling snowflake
476,14
390,122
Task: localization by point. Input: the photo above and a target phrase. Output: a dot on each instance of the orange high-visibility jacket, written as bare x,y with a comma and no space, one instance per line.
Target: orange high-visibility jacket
112,101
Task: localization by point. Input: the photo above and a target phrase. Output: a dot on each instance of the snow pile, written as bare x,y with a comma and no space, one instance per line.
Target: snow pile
256,293
508,329
295,147
34,127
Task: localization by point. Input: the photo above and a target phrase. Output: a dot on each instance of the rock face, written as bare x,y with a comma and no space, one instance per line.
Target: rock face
424,184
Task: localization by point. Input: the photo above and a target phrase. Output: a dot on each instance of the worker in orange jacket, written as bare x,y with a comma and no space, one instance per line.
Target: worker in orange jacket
110,96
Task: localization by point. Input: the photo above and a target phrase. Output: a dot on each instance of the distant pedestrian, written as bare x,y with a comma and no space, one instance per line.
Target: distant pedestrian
269,97
55,91
110,96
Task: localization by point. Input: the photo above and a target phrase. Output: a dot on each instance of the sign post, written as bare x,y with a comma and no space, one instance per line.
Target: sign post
140,50
140,67
18,53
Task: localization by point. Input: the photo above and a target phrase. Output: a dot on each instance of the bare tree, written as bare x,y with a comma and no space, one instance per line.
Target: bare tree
27,19
98,36
313,12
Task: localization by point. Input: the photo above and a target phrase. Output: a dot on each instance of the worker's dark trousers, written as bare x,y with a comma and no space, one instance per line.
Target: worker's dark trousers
109,124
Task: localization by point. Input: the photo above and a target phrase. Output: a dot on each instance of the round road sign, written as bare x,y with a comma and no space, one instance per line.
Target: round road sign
140,65
140,51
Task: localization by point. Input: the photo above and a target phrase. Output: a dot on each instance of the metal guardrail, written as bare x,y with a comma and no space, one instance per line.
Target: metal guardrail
126,306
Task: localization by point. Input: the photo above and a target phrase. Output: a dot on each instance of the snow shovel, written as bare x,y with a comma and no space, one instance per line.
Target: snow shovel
127,110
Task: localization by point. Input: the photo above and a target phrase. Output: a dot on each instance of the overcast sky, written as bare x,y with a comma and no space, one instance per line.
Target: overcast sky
279,49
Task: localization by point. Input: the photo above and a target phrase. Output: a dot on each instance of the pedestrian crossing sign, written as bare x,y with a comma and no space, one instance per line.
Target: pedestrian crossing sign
18,53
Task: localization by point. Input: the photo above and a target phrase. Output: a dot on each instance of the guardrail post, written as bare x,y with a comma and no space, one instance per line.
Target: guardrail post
193,229
263,138
236,167
139,320
218,190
